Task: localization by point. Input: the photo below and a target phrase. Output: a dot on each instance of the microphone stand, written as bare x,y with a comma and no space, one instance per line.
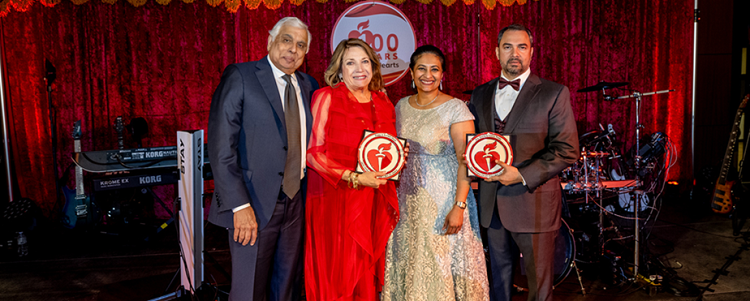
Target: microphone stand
638,192
49,78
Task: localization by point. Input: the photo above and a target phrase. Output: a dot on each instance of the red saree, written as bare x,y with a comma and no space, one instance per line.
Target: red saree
347,230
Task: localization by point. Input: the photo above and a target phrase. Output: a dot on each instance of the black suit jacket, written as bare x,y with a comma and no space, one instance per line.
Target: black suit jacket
544,140
247,140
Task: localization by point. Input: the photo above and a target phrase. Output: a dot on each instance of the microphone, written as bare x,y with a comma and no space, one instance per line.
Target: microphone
611,132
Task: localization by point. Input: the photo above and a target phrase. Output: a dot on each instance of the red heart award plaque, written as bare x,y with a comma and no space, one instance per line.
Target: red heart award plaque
381,152
482,150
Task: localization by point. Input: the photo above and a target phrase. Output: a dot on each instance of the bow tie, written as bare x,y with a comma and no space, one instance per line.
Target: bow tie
515,84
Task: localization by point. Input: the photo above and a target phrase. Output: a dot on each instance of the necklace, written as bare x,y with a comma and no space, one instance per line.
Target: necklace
369,98
416,101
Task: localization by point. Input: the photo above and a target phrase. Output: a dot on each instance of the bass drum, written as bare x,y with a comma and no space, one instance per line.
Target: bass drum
565,253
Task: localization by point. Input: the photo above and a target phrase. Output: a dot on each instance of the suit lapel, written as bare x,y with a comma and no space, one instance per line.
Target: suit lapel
268,82
488,107
524,99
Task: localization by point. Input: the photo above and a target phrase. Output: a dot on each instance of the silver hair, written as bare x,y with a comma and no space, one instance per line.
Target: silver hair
291,21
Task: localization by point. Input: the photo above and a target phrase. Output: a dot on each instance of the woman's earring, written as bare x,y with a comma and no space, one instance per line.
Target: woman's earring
341,77
441,85
412,85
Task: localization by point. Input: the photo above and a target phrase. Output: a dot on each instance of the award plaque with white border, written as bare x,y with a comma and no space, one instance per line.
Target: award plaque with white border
381,152
482,150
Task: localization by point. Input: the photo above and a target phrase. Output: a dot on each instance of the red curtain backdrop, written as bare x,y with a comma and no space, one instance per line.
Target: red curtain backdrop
231,5
164,62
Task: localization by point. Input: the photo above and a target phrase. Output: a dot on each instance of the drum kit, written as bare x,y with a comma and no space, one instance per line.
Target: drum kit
603,173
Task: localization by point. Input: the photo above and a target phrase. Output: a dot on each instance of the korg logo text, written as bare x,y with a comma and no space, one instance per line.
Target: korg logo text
150,179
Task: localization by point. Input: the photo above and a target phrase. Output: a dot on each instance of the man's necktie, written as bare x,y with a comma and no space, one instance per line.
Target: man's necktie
515,84
293,165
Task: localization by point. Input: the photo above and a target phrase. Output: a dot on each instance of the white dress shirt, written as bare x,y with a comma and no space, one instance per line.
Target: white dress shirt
281,84
505,98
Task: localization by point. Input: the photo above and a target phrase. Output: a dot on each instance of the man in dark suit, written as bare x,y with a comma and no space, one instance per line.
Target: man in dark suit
521,207
258,129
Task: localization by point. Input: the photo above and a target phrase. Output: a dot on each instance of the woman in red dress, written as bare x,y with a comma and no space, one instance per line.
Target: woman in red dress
349,216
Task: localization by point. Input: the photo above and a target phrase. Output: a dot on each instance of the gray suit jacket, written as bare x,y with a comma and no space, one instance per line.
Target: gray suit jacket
247,140
544,140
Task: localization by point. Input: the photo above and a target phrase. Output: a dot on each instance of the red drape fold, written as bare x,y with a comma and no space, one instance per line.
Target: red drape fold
347,229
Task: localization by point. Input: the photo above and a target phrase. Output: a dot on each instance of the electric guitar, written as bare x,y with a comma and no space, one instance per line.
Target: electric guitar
76,201
722,196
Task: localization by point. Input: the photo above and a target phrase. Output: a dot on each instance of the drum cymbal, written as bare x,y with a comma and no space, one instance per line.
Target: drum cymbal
603,85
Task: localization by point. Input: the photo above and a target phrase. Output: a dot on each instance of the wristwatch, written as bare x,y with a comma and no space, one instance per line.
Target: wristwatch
461,205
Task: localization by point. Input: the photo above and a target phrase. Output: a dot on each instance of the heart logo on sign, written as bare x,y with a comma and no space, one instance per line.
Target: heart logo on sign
363,34
486,158
386,29
380,158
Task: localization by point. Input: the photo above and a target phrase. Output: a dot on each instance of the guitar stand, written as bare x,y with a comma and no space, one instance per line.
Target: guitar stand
741,210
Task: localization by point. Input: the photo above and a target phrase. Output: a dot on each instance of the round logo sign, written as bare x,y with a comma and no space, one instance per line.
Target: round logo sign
381,152
386,29
483,150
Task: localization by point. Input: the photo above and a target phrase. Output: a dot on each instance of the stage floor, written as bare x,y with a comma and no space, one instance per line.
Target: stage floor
120,265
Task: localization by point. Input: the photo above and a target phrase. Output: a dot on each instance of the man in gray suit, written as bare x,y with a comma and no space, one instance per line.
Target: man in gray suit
258,129
521,207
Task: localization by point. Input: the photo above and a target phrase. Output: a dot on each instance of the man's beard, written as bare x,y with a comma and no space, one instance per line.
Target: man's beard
513,70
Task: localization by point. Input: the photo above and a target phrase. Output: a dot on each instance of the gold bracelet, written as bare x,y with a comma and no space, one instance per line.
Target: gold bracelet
355,181
349,182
